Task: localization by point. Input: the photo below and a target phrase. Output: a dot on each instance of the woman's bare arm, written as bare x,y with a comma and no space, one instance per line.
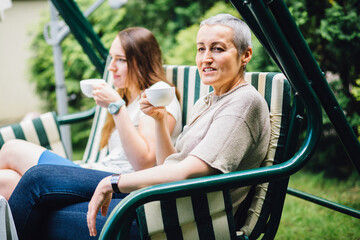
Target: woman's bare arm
190,167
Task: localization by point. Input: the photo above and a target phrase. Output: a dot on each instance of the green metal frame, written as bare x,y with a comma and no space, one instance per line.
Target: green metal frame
76,117
268,20
263,17
91,44
259,15
83,32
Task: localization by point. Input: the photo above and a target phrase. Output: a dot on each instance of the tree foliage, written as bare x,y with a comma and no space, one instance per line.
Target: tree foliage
332,30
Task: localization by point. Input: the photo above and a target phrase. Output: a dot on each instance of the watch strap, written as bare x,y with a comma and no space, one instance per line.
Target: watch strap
114,107
114,182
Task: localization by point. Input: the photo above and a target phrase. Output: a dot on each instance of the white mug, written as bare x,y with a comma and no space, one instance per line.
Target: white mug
86,85
160,97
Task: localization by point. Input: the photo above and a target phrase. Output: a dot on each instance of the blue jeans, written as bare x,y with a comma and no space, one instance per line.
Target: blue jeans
51,202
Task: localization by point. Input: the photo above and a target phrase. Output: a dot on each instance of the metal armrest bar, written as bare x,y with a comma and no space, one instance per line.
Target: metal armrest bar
76,117
122,213
324,202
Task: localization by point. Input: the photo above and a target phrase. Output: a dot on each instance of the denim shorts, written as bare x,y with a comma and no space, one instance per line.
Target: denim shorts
48,157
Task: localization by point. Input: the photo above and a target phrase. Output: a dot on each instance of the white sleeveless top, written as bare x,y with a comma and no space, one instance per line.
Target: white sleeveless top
116,161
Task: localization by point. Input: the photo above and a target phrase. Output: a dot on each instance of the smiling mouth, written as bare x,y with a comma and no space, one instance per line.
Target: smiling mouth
208,69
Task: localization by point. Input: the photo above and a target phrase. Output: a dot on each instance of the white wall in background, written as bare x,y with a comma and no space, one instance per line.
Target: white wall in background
17,95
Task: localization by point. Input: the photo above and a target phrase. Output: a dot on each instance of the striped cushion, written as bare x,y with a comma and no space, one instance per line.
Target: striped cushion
276,90
187,80
272,87
203,216
43,131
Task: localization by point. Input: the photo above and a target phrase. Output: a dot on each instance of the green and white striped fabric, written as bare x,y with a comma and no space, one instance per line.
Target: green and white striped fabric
202,216
43,131
276,91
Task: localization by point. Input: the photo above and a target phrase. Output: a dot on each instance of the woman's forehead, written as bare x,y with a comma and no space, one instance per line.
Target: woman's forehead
214,33
116,47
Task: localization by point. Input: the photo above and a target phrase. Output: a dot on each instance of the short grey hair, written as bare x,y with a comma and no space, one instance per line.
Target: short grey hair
242,33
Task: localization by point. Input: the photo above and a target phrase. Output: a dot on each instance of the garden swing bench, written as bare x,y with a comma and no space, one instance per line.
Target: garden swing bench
290,96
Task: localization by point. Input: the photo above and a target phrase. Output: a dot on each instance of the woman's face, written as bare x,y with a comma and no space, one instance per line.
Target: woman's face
118,64
217,58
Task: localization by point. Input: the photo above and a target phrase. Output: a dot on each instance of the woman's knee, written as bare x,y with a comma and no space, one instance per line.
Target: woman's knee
37,174
19,155
8,151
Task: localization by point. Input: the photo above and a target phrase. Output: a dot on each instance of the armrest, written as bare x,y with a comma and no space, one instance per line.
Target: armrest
76,117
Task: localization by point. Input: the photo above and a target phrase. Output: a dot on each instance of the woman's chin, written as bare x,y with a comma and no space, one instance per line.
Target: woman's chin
119,85
208,81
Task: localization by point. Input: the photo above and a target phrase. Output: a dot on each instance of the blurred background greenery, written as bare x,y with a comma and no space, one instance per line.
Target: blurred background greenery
332,31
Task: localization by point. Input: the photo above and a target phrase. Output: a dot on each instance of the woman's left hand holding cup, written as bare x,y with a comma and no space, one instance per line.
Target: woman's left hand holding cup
157,113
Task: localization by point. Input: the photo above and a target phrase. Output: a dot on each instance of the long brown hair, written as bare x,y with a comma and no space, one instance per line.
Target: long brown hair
144,68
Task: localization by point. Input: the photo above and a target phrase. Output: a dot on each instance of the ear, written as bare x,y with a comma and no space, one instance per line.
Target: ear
246,56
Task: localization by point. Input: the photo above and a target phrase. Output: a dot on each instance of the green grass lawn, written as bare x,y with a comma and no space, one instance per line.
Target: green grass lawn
305,220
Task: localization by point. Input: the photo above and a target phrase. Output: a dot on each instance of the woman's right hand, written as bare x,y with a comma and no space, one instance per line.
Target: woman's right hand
100,201
104,94
157,113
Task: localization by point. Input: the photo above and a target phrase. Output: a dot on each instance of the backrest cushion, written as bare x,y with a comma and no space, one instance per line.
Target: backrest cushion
43,131
276,91
199,216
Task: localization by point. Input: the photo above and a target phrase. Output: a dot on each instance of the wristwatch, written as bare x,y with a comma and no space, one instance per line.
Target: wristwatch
114,107
114,182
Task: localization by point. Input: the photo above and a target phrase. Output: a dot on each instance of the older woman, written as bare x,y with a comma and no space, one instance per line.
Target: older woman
229,131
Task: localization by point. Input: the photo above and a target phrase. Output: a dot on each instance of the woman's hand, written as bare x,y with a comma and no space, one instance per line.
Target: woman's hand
157,113
100,200
104,95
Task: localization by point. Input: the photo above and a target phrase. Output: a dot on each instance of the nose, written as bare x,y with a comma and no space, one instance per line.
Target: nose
207,57
112,66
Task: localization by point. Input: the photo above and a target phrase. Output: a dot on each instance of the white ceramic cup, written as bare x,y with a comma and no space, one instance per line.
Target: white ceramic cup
160,97
86,86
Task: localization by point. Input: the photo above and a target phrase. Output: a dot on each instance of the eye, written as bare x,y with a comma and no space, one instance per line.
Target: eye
218,49
121,59
201,49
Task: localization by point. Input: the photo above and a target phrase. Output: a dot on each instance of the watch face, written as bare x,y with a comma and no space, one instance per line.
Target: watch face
113,108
